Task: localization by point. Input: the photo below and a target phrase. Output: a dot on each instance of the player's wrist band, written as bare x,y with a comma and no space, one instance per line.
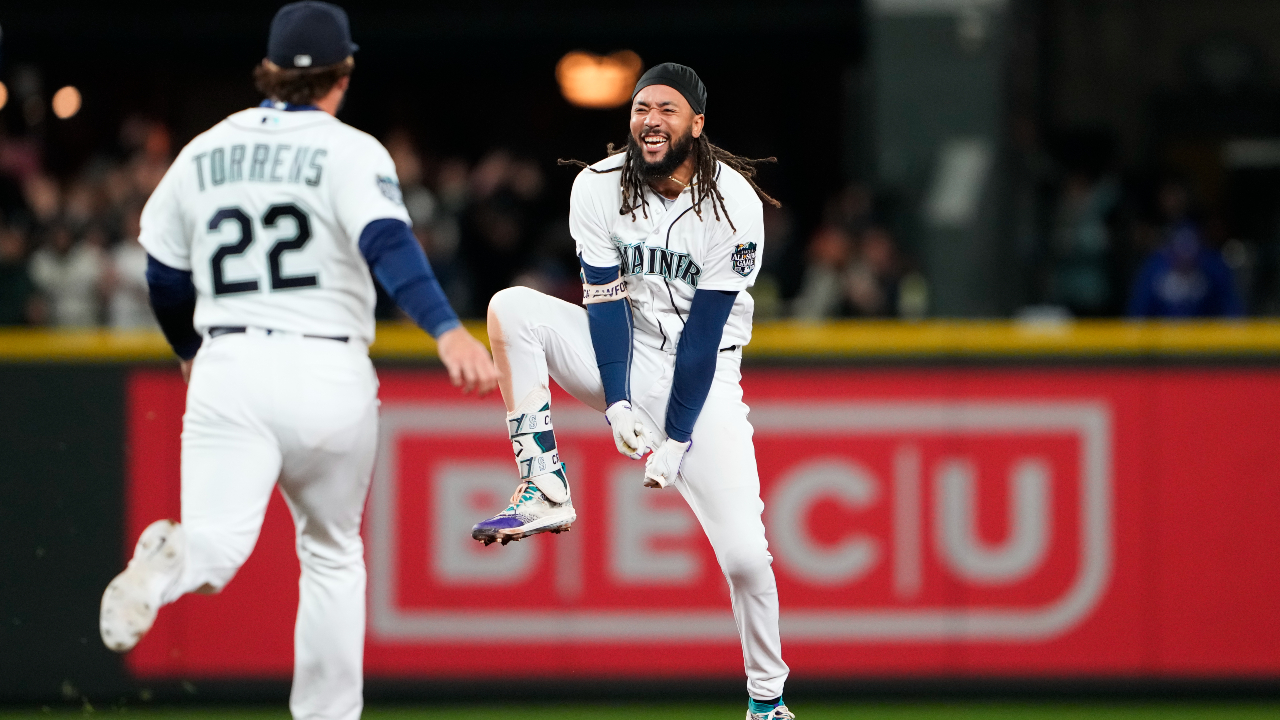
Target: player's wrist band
615,290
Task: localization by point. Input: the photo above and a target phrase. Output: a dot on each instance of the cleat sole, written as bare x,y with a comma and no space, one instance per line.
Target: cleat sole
514,534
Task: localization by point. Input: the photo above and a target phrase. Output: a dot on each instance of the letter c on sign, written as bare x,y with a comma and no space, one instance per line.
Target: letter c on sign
822,564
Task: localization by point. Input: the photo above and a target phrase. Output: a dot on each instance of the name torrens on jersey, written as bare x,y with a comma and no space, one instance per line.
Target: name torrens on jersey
265,163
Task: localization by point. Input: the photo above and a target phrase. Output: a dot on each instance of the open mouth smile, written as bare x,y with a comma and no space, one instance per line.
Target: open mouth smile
654,142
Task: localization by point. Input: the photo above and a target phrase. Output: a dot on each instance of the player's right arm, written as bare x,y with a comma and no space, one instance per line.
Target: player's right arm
604,293
167,240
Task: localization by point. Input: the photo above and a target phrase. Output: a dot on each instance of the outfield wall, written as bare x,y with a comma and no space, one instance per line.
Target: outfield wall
966,501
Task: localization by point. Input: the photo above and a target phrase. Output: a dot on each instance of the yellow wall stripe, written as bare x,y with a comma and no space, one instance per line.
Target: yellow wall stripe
850,339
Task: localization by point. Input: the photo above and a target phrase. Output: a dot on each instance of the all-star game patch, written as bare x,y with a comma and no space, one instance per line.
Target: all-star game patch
391,189
744,258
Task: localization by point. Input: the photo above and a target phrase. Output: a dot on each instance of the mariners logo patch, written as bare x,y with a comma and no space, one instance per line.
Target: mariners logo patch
744,258
391,189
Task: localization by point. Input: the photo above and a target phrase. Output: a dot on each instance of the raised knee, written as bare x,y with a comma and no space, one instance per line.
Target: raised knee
506,303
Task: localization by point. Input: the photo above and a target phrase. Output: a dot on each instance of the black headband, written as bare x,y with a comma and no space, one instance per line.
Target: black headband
683,79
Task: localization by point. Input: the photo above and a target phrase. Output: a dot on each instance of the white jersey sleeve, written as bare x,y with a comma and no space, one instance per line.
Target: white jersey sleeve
590,235
365,187
731,260
164,233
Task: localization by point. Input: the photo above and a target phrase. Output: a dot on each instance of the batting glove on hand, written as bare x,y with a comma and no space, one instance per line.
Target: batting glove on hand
628,432
662,467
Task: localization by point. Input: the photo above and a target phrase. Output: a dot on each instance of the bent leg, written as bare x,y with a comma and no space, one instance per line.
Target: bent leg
230,463
534,335
720,481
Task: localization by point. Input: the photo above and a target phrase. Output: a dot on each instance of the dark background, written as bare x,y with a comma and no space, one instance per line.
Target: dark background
1130,93
465,78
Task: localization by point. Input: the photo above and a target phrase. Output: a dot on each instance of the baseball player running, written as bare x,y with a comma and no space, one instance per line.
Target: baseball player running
668,234
261,238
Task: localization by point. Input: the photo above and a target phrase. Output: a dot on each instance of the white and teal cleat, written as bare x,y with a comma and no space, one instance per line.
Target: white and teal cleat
529,513
768,711
541,503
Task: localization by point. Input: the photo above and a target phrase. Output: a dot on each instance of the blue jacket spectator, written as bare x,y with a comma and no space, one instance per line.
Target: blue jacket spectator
1185,279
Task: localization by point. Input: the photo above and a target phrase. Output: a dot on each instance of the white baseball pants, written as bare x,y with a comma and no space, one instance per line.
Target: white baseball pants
534,335
302,413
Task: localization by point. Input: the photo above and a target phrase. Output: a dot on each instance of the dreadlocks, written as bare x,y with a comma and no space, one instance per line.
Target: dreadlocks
703,184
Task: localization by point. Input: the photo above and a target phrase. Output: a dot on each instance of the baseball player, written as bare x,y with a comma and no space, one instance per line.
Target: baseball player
261,238
668,234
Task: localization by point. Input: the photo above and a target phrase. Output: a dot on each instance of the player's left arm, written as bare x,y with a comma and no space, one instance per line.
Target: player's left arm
729,268
399,263
695,369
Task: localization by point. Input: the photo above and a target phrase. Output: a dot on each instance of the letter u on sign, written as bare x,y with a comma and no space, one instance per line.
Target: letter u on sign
955,523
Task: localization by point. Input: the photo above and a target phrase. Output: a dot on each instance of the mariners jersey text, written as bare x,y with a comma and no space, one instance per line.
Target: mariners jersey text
640,259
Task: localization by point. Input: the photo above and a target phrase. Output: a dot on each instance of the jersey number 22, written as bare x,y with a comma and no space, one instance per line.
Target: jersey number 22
222,286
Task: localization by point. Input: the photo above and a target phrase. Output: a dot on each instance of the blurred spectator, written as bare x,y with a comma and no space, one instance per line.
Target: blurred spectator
853,265
848,277
851,208
434,218
821,290
498,234
1081,243
43,197
16,289
80,206
68,271
124,281
778,233
1185,279
873,279
149,146
553,266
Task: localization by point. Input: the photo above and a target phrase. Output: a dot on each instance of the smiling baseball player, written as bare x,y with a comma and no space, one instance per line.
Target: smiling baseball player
261,238
668,234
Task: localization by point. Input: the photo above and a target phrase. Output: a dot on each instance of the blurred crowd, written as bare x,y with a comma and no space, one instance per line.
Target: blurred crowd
69,255
853,266
1133,243
69,252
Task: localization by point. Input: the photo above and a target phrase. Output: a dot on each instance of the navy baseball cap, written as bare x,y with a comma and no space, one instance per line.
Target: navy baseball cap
310,34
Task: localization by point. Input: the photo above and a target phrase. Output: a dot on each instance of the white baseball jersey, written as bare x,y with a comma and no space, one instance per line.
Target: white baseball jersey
671,253
265,209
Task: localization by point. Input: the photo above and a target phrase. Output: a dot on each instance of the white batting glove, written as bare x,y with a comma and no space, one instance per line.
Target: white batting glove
662,467
628,432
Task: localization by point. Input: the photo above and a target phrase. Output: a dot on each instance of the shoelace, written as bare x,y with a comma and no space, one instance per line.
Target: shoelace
523,492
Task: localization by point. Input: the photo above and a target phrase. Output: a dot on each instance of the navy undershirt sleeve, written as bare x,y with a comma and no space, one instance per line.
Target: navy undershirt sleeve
173,299
696,356
611,329
399,263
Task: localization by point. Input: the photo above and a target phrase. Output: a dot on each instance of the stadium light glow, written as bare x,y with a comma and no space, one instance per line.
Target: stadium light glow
4,95
66,102
598,81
